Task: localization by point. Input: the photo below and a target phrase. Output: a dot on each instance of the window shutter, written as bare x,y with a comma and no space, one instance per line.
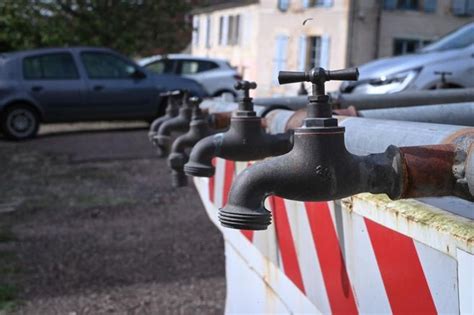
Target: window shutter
302,53
283,5
247,29
207,31
459,7
195,30
327,3
225,30
305,4
430,5
280,56
390,4
324,59
470,7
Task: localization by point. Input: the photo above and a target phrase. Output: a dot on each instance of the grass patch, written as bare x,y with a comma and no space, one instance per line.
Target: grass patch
8,294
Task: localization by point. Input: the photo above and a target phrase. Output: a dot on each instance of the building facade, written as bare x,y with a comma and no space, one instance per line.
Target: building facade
263,37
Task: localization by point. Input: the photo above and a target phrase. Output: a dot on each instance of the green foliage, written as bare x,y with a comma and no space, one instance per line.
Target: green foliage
131,26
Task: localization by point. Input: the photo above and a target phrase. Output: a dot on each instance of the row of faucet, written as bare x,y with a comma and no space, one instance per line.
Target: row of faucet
309,163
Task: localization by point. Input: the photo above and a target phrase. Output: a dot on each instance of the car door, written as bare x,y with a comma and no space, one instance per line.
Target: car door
199,70
162,66
53,81
114,90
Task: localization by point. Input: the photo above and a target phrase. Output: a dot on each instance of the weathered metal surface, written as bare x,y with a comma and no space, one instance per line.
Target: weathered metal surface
428,170
450,114
404,99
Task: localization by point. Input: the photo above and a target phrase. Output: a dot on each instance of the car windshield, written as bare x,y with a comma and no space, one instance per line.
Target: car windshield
460,38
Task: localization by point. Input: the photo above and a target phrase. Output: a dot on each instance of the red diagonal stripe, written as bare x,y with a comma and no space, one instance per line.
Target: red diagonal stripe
333,268
401,271
286,242
228,178
212,183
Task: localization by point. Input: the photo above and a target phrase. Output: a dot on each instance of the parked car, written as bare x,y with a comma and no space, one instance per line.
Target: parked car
216,75
79,84
453,53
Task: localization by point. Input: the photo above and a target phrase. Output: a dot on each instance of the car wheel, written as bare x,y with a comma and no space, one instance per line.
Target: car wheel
19,122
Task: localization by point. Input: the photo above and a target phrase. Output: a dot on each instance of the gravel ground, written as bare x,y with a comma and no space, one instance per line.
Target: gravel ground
91,225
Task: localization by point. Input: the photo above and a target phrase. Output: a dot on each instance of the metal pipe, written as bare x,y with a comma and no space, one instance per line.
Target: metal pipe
451,114
403,99
319,167
376,101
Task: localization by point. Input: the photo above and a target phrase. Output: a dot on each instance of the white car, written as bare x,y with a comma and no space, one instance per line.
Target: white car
217,76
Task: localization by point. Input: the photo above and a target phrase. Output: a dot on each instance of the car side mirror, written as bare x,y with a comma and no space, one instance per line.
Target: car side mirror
138,74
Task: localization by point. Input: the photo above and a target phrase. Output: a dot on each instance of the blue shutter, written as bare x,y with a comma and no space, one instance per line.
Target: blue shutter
470,7
196,30
459,7
305,3
430,5
280,56
225,30
390,4
302,53
283,5
327,3
324,58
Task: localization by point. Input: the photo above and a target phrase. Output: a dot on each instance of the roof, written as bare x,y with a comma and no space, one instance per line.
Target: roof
54,49
223,5
149,59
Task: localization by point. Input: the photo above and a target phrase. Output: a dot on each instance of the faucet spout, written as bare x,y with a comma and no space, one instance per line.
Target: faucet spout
319,168
179,123
246,140
178,156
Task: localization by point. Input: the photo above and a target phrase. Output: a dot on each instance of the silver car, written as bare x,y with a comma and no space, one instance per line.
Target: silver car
217,76
453,53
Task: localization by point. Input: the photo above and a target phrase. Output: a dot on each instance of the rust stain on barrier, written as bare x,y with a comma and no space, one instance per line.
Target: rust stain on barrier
463,138
416,212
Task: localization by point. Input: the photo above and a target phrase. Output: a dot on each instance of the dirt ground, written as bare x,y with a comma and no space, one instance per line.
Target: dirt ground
89,224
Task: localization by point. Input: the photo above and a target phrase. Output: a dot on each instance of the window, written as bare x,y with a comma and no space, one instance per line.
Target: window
230,30
106,66
59,66
415,5
317,3
462,7
233,30
283,5
161,66
195,66
314,52
402,46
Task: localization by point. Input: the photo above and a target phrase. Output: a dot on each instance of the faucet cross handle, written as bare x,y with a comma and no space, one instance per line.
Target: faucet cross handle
318,76
246,86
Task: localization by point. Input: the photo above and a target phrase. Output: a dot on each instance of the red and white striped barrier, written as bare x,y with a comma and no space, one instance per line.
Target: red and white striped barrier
365,254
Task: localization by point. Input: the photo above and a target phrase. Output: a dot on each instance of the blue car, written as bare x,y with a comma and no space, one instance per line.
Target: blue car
79,84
